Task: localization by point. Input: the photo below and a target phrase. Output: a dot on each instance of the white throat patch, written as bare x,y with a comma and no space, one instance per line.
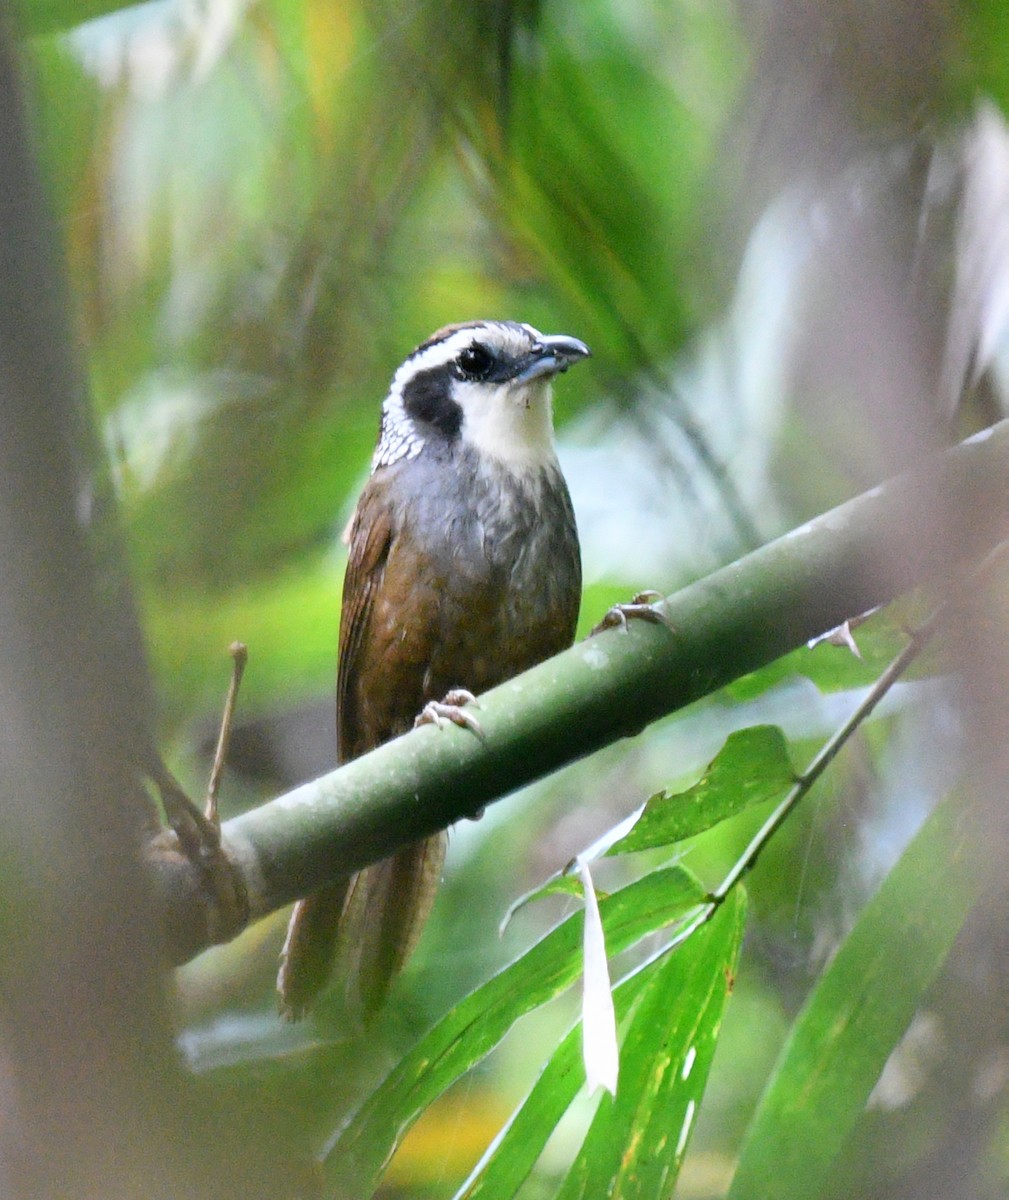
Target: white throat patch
511,423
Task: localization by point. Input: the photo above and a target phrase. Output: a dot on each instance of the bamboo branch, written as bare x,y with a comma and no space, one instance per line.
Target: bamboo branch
912,530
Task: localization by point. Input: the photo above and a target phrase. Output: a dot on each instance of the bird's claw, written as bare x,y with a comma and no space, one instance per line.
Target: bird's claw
641,608
451,708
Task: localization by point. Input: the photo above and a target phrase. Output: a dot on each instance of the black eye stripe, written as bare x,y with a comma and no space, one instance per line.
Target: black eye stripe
427,399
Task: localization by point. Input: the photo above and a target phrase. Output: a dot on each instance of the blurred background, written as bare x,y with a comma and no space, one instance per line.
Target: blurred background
782,227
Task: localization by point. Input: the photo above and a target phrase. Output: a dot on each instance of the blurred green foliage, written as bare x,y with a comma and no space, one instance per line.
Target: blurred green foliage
266,204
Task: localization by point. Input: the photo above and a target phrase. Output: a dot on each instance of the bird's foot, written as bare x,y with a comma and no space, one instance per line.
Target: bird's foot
451,708
641,608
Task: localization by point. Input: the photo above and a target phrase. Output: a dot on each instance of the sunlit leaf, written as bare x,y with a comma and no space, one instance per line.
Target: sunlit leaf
599,1026
469,1031
674,1004
638,1138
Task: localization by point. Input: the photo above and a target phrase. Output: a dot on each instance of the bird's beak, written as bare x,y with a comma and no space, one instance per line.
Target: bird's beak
550,356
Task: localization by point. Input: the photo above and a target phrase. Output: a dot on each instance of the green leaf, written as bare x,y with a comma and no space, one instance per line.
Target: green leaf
752,767
515,1151
857,1014
358,1153
675,1003
561,884
833,668
637,1140
288,619
49,16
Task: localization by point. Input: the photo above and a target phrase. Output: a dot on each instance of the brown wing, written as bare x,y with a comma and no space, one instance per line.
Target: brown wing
370,536
390,618
368,924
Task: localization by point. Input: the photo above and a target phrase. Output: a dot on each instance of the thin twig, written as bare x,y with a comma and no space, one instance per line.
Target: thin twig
239,657
918,639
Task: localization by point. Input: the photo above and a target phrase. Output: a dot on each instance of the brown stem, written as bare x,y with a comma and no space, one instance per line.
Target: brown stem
239,657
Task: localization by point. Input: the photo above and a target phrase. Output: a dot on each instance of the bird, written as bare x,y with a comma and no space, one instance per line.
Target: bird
464,569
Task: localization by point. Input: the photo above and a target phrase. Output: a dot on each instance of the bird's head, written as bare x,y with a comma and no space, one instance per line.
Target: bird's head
485,384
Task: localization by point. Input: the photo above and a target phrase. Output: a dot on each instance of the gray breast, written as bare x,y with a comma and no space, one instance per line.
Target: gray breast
503,551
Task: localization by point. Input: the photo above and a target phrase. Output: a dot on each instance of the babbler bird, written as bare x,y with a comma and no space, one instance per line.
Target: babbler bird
464,570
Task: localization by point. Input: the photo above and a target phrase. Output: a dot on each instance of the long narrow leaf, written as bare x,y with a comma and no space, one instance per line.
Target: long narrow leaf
637,1140
675,1004
514,1153
600,1052
857,1014
358,1153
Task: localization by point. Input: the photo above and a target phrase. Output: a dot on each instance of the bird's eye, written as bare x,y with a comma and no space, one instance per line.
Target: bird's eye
475,362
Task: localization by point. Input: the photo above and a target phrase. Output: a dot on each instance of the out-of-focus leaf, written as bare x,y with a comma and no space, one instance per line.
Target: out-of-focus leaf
857,1014
289,622
979,306
586,191
981,67
359,1151
638,1138
48,16
752,767
833,668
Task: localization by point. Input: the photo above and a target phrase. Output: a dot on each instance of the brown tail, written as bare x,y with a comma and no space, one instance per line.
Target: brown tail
368,925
